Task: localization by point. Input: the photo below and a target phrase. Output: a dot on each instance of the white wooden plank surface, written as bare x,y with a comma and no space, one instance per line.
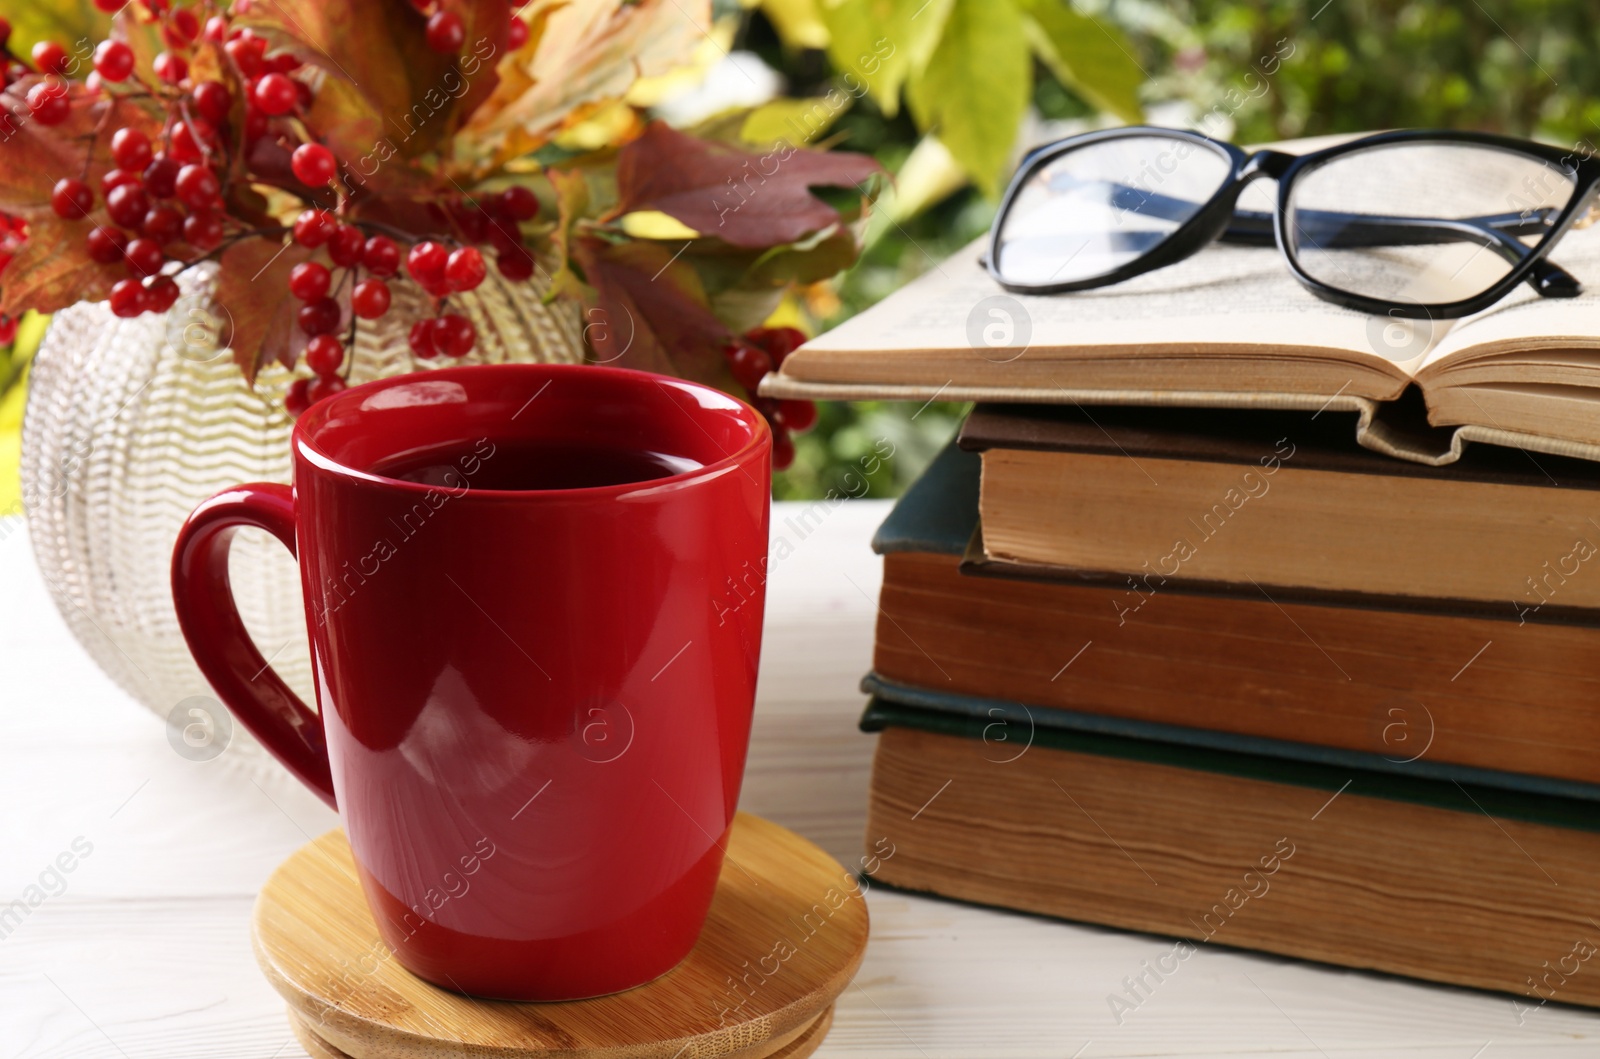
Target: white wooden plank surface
146,952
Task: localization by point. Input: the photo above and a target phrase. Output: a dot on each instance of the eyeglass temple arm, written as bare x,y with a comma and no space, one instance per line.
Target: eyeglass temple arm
1330,229
1339,230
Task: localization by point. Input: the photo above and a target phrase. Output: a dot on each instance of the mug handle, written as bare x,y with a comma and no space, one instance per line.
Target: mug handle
217,637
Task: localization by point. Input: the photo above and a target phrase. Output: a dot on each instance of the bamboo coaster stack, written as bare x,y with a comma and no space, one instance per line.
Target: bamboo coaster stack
786,933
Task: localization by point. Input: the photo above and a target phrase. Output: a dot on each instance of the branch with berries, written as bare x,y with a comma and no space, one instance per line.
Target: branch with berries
317,153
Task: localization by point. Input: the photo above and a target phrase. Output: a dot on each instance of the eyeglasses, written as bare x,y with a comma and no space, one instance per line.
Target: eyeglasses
1417,224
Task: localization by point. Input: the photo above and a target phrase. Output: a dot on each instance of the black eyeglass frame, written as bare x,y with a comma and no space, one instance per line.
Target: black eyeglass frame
1217,218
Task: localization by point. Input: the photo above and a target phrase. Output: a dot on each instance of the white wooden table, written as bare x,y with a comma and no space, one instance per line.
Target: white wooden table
146,954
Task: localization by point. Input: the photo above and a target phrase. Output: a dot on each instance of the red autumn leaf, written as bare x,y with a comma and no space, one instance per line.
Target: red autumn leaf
253,300
52,270
744,199
650,312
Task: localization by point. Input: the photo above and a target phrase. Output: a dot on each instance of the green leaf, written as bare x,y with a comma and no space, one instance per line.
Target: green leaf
975,87
875,44
1087,55
76,25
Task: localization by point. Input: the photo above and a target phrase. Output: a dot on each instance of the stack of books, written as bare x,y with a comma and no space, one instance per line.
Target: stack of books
1243,677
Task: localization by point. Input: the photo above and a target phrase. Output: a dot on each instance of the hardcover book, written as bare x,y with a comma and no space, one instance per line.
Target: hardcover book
1443,881
1230,327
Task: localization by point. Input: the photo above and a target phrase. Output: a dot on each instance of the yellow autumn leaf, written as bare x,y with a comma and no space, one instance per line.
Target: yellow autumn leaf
588,51
653,224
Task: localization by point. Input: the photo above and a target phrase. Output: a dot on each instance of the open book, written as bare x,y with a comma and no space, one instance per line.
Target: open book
1231,327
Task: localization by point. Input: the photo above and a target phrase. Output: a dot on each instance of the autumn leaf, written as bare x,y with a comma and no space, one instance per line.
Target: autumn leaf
253,299
650,312
52,270
744,199
572,199
588,51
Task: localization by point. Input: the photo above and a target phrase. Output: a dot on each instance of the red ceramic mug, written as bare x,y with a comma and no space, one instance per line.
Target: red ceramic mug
535,633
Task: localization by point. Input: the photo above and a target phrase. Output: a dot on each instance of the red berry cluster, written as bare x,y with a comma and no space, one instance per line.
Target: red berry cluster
750,358
168,196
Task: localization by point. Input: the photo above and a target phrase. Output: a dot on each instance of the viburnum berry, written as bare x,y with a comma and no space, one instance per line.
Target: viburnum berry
128,298
516,266
313,164
163,224
297,400
275,94
282,63
171,68
504,237
798,416
782,448
779,342
318,317
324,354
472,221
370,299
110,7
161,294
127,205
216,31
116,178
113,60
247,51
144,257
71,199
106,245
8,325
446,32
516,34
426,262
454,335
130,149
255,125
203,229
323,386
49,57
161,176
381,256
313,228
346,245
192,139
309,281
749,365
465,269
182,27
47,102
198,187
518,203
421,340
213,100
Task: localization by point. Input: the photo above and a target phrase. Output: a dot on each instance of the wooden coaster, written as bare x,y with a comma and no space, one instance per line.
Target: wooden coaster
786,933
807,1042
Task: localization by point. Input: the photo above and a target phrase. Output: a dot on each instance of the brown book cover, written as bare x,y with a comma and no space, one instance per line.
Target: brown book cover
1284,505
1440,881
